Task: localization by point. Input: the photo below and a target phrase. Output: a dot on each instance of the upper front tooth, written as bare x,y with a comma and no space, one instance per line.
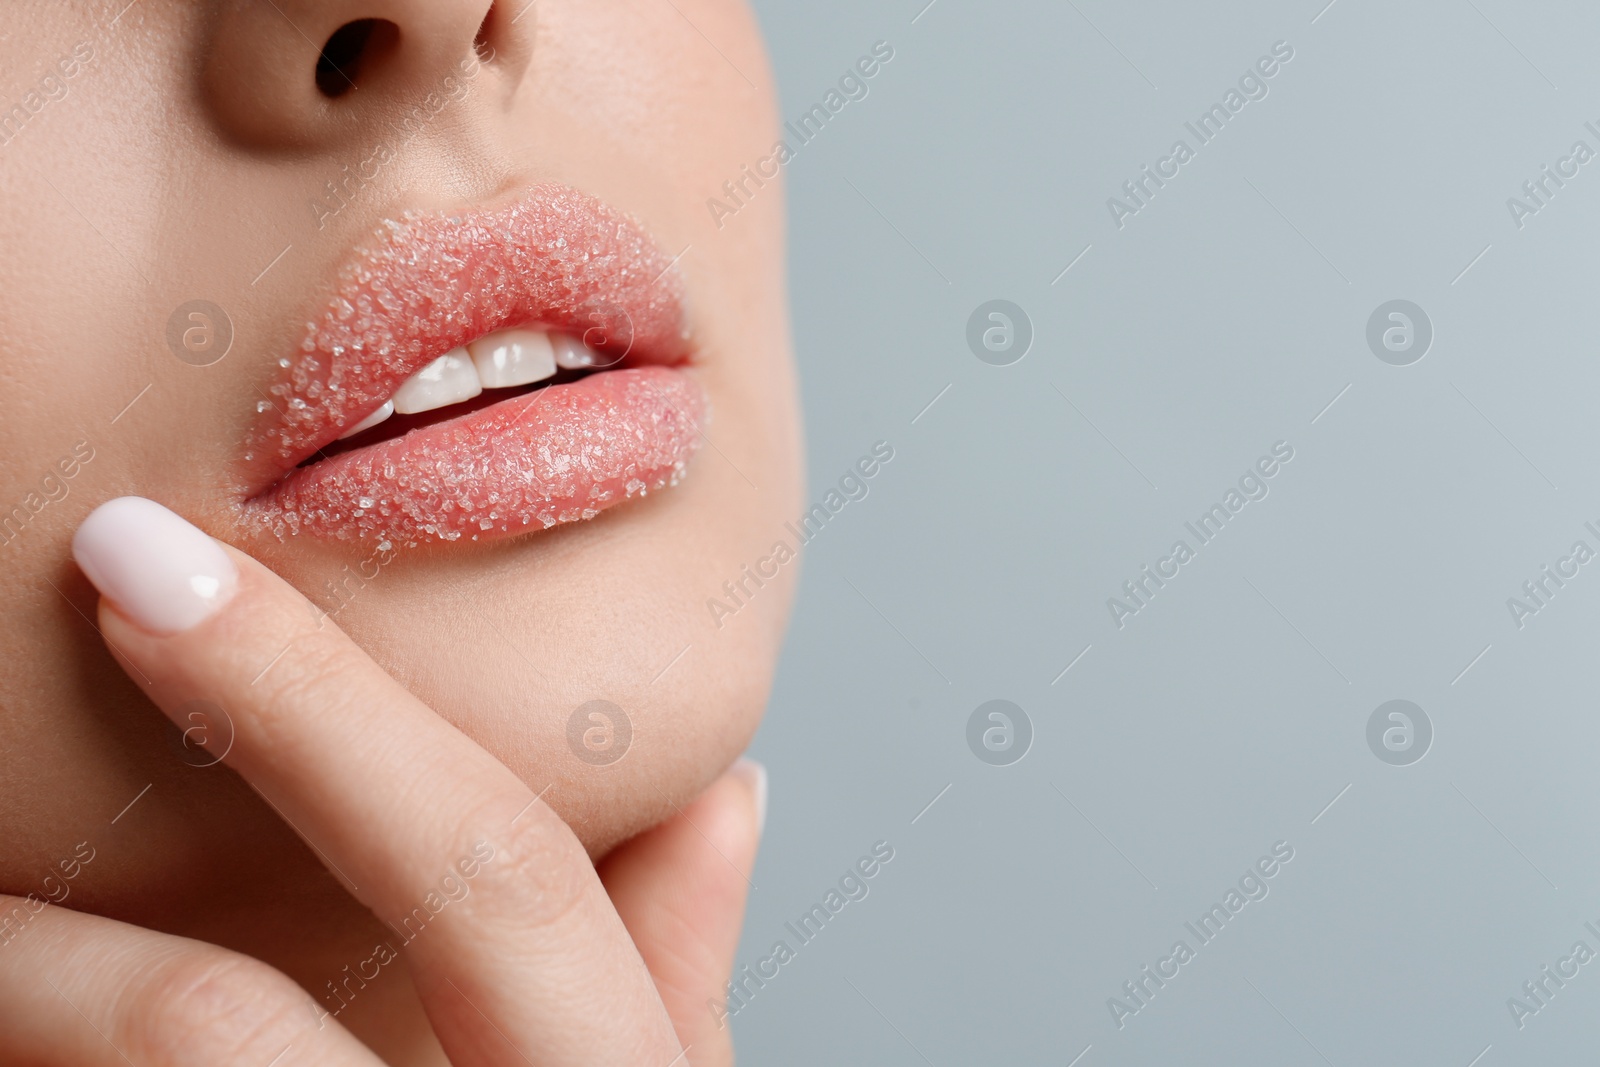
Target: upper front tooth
449,379
371,420
573,354
513,357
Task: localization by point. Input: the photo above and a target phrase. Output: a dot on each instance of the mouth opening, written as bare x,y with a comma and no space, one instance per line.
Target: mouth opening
491,369
399,425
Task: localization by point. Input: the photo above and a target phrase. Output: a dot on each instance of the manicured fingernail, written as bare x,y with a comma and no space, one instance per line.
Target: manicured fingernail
756,775
159,570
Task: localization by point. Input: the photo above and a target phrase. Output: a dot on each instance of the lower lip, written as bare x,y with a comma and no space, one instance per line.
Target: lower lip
560,454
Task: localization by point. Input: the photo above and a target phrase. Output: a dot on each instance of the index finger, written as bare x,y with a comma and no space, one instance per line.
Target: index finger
509,933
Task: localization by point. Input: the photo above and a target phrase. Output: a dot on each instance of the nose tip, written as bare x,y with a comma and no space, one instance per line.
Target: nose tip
301,73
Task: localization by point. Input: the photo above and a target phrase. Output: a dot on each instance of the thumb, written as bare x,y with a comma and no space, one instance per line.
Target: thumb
680,889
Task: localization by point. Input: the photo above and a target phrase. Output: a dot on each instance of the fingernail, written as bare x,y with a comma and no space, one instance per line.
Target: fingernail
159,570
756,774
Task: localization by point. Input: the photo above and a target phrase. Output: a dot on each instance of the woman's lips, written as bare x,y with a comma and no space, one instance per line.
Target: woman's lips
431,283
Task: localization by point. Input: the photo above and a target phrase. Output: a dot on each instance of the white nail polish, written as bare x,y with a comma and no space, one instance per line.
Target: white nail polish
160,571
757,775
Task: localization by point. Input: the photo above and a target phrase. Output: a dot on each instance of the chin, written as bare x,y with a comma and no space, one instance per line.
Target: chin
583,657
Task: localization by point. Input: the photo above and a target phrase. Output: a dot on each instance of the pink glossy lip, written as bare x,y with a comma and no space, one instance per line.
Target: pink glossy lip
431,282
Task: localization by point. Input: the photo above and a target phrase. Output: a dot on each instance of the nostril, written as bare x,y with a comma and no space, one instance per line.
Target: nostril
481,43
353,49
496,29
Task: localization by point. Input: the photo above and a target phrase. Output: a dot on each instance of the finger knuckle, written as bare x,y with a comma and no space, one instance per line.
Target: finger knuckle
315,674
540,873
214,1007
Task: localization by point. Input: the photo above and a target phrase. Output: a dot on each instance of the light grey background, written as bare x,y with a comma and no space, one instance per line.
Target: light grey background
1227,715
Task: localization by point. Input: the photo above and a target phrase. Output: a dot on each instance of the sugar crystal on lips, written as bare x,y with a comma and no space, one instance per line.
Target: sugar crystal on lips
432,282
443,300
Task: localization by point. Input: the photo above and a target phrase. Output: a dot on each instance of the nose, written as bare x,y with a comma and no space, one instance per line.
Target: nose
303,73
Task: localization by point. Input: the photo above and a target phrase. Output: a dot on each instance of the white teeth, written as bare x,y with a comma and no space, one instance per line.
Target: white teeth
371,420
513,357
573,354
498,360
450,379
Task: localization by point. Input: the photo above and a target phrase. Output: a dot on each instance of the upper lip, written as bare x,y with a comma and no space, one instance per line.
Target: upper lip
433,281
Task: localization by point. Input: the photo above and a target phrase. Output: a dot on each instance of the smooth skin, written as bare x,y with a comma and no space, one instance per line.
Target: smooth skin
545,961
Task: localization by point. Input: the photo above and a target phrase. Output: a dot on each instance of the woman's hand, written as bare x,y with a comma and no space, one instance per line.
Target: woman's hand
533,958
